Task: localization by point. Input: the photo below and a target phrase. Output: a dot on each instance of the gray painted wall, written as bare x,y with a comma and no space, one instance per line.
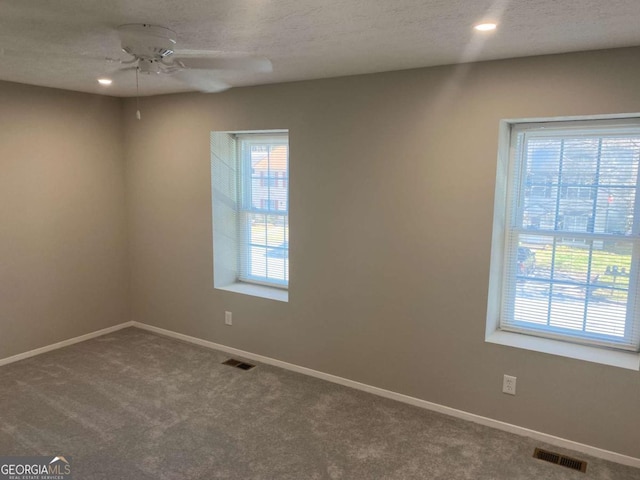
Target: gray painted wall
392,185
392,181
63,246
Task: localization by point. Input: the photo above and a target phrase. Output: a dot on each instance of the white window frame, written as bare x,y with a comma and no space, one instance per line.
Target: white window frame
245,207
552,344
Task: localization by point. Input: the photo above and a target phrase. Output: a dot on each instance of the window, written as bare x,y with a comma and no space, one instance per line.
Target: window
566,241
250,191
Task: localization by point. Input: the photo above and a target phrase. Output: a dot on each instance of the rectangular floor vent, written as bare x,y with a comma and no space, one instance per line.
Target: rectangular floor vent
559,459
238,364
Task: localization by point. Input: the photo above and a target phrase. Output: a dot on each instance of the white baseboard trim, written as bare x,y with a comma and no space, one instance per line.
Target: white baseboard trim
64,343
489,422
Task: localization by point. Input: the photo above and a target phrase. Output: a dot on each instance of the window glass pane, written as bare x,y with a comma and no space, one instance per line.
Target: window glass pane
258,261
582,287
584,184
265,203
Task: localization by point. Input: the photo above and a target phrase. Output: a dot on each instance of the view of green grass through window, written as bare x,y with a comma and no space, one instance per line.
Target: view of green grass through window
571,247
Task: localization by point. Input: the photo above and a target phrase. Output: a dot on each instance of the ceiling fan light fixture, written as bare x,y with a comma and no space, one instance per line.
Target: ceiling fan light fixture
485,27
149,66
105,81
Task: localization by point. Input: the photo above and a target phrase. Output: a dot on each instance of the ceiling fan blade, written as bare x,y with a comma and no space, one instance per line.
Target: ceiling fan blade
251,64
201,81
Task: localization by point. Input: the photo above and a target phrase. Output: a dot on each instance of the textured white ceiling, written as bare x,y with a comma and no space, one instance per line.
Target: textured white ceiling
62,43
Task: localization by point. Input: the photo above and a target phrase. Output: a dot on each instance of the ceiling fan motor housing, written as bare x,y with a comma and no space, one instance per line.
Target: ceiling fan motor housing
147,42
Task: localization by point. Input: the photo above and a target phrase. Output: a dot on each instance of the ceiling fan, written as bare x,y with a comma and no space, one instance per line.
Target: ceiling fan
152,50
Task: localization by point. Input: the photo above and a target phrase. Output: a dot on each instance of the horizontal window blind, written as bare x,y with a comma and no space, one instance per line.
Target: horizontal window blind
572,243
264,209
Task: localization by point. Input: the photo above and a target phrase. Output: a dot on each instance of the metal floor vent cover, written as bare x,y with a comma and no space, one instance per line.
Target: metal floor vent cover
559,459
238,364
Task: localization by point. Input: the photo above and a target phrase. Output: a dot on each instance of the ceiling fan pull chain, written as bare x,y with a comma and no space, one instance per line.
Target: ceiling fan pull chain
138,115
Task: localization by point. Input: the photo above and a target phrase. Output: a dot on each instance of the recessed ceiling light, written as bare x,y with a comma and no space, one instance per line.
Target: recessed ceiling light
485,27
104,81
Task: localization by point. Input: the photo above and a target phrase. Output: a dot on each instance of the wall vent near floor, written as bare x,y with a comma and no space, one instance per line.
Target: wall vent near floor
238,364
559,459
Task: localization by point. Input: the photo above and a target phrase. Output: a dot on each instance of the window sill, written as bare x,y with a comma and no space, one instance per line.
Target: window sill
614,358
263,291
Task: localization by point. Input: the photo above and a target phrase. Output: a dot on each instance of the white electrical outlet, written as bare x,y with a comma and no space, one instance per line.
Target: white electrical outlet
509,385
228,319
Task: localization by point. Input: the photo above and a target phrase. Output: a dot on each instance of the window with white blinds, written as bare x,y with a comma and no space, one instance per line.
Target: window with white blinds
569,219
264,209
250,192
